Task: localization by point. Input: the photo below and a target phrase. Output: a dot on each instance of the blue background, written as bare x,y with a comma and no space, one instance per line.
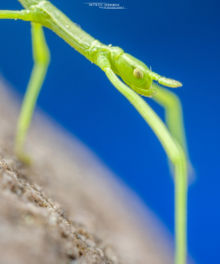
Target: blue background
177,39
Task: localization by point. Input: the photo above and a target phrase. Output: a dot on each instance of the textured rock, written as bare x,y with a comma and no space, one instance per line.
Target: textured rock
66,207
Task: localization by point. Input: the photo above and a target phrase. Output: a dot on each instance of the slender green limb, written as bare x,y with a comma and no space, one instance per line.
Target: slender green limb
173,113
180,172
41,57
25,15
174,118
173,150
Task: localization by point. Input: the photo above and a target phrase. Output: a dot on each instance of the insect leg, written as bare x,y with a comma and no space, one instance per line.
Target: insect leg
174,117
24,14
41,57
174,152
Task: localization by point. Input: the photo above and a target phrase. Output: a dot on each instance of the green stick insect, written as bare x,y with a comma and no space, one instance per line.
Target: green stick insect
136,79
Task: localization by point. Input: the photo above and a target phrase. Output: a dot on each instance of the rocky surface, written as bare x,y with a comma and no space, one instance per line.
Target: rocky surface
67,207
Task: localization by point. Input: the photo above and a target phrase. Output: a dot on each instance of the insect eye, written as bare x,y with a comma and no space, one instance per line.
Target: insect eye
138,73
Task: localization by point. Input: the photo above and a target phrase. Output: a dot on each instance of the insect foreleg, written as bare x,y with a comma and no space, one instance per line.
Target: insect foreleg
41,60
26,15
173,115
174,152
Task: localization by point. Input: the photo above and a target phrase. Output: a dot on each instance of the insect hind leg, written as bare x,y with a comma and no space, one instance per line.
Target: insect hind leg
41,57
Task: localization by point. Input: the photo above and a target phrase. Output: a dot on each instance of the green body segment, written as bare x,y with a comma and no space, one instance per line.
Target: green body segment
52,18
122,63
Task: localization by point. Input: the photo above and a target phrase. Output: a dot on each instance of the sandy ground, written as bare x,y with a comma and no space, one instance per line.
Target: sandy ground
67,207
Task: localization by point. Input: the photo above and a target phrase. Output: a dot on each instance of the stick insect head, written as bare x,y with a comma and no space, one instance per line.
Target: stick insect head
137,75
133,72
